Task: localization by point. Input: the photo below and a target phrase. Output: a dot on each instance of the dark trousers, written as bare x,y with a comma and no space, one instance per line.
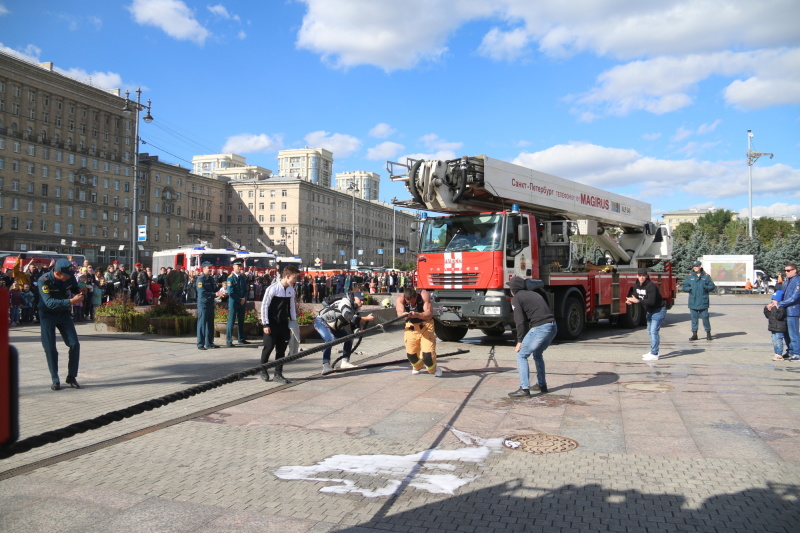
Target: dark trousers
278,339
205,325
141,295
63,323
235,314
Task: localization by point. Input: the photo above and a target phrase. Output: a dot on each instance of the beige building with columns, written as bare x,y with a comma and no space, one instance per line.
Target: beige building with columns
314,165
368,184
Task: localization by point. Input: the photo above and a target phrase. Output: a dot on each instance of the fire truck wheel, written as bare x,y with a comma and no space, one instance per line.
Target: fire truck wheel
632,318
571,323
449,333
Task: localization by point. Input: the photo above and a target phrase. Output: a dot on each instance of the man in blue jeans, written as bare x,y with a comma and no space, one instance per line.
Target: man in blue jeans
648,294
536,328
337,321
791,302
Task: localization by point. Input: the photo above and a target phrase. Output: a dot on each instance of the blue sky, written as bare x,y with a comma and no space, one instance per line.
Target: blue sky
648,99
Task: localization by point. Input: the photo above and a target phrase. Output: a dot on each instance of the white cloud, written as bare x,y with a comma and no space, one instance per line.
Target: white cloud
104,80
221,11
356,32
385,150
681,134
382,131
443,155
4,10
693,148
348,33
242,35
30,53
666,84
651,136
174,17
340,144
245,143
708,128
658,179
779,209
433,143
504,45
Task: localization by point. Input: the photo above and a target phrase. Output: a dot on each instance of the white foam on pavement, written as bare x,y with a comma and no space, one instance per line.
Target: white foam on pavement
431,470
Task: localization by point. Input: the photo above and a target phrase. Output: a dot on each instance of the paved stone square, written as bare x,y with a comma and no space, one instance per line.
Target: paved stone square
705,439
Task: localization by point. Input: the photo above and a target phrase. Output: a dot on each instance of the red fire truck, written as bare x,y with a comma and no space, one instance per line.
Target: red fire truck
191,258
507,220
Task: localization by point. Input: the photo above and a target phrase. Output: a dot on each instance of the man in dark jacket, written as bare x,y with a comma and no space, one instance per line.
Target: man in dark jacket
647,293
536,329
236,287
142,284
55,312
791,302
698,284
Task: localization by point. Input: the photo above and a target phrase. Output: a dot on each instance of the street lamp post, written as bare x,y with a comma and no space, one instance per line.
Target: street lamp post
394,232
752,157
354,189
147,118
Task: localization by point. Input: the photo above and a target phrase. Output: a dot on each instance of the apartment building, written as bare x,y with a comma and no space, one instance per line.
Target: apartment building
366,184
314,165
66,163
231,166
673,218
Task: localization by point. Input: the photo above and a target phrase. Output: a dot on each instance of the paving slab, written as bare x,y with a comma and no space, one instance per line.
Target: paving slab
706,438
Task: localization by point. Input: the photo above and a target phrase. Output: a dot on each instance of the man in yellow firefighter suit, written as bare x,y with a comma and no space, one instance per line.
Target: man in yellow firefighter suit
418,335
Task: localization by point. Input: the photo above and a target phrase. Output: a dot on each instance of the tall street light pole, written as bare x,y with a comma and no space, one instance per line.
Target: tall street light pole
752,157
394,232
147,118
354,189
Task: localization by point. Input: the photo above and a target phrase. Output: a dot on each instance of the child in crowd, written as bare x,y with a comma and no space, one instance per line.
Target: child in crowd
97,296
77,309
15,300
778,327
28,299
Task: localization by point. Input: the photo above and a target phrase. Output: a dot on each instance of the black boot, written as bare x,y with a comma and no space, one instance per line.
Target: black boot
280,379
694,336
708,336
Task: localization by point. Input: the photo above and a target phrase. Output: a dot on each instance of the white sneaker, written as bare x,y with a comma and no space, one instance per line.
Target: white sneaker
650,357
415,372
648,354
347,364
326,368
438,371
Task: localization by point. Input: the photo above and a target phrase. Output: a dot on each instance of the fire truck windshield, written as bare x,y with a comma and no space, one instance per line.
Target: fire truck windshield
462,233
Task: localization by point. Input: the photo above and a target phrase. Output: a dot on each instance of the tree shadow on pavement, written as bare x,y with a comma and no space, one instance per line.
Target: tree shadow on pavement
593,507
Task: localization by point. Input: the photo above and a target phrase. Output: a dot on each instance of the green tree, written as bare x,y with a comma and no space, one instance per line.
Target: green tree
769,229
715,221
732,231
683,231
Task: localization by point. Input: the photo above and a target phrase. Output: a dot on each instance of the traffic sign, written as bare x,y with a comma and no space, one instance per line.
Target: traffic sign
143,233
353,262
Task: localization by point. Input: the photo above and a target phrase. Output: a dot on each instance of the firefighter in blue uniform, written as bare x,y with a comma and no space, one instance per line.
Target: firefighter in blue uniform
207,290
236,287
55,312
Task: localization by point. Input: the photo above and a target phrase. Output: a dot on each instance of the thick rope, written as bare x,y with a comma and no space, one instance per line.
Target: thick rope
66,432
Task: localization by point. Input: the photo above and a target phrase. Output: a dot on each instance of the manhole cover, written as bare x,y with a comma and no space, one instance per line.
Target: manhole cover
652,387
540,444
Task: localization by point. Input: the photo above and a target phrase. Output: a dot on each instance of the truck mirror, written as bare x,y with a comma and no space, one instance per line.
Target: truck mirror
524,234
